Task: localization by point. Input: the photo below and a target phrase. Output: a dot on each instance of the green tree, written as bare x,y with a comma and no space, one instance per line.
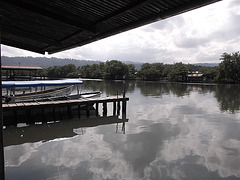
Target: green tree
229,68
151,71
68,70
92,71
178,72
115,69
131,71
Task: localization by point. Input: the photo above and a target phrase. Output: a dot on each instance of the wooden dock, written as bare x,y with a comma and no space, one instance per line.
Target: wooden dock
31,112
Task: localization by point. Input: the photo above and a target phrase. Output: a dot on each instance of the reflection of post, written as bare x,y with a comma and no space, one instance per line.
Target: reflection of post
122,129
124,107
118,108
114,108
124,103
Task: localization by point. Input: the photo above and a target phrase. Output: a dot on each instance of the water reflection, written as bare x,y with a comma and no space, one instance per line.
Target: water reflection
175,131
228,96
57,130
141,149
55,150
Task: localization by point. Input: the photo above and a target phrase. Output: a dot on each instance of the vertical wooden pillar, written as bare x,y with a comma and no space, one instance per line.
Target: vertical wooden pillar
118,108
104,108
124,108
97,109
114,108
87,110
7,78
2,168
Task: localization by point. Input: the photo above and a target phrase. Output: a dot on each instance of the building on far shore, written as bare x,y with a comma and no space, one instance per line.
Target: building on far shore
19,72
195,77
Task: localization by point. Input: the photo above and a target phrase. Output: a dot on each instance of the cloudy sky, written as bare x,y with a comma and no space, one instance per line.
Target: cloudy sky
201,35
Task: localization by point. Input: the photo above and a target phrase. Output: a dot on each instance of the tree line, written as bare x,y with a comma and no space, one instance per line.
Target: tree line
227,71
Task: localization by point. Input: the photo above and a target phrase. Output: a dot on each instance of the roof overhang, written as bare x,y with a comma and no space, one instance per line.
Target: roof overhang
21,67
56,25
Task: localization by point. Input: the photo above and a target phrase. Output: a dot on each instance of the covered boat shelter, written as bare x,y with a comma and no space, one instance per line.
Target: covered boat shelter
53,26
12,75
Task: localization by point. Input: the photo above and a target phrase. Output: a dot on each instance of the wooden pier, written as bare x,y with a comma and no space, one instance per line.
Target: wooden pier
32,112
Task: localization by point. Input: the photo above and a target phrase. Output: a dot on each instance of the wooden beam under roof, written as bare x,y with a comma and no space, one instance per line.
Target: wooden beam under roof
28,35
129,9
22,46
56,16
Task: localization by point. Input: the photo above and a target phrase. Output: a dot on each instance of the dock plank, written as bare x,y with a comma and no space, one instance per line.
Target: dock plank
17,110
65,102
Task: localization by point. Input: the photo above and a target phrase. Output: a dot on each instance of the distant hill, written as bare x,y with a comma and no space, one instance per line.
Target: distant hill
207,64
44,62
48,62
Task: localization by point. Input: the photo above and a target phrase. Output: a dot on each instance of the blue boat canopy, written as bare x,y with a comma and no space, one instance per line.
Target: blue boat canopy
64,82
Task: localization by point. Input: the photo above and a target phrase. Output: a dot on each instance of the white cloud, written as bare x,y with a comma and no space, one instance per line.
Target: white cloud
201,35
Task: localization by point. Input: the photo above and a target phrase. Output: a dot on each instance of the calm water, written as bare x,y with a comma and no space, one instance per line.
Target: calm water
174,131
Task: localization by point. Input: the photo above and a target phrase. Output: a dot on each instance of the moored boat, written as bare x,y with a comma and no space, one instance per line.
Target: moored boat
63,91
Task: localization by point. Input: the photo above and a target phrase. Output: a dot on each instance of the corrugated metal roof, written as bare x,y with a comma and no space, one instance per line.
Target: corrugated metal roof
55,25
21,67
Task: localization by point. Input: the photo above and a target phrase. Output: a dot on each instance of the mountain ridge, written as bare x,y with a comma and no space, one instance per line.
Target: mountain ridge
48,62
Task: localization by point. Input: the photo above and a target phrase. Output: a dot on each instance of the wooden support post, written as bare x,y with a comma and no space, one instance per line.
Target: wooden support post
124,108
87,110
97,109
104,108
118,108
114,108
2,165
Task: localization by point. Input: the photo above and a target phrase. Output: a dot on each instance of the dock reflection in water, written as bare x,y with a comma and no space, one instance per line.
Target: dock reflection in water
57,130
